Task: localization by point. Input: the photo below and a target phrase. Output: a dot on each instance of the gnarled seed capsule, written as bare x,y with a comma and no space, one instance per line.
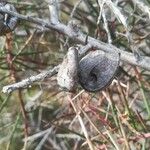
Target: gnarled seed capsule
97,69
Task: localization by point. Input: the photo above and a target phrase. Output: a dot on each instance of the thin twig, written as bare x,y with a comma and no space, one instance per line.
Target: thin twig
26,82
54,11
81,124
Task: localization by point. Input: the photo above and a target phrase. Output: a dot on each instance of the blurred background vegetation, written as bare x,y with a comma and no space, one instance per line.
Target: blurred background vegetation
116,118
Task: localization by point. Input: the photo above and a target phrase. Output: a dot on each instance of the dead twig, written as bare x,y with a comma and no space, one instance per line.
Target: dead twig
27,82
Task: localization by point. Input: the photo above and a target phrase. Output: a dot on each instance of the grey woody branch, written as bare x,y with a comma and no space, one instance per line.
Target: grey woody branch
80,37
27,82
